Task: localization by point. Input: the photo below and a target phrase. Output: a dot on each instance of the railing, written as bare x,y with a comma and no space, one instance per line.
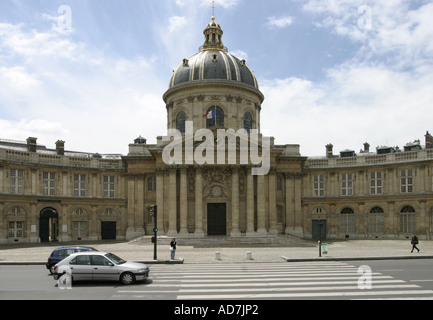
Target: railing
84,161
366,160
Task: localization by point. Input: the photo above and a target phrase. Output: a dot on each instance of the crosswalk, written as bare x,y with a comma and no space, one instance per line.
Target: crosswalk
273,281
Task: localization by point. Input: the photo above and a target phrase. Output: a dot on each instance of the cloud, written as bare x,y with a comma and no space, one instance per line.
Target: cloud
176,24
381,95
54,88
279,23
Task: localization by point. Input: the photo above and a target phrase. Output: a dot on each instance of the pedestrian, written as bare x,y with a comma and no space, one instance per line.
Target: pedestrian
173,248
414,242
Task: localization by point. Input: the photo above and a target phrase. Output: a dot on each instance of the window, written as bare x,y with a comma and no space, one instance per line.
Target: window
376,183
347,221
17,181
81,260
377,220
217,118
407,220
100,261
15,229
319,185
406,181
248,121
49,183
151,183
79,185
346,184
108,186
79,229
180,121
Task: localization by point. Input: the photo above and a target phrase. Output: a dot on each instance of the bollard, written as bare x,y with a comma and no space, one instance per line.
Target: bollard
249,255
217,256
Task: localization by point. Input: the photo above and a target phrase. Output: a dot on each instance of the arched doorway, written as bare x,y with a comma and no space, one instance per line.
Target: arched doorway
49,225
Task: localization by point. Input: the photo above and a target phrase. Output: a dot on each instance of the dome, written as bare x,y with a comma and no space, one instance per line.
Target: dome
209,65
213,63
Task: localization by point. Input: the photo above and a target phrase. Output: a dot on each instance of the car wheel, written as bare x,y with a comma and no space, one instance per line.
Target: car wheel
127,278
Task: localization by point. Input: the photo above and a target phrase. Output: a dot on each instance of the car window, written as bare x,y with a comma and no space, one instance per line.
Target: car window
115,258
81,260
100,261
61,253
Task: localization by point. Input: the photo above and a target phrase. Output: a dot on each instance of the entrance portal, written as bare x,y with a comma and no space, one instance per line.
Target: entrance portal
319,229
216,219
49,225
108,230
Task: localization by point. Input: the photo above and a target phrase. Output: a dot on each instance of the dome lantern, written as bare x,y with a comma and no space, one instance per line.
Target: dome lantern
213,37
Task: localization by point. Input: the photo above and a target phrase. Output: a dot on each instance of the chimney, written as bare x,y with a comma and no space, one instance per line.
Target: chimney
366,147
329,148
60,147
428,141
31,144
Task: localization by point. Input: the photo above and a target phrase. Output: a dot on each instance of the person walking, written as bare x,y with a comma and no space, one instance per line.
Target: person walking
414,242
173,248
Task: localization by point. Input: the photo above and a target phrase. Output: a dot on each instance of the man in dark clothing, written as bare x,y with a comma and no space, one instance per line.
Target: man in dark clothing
414,242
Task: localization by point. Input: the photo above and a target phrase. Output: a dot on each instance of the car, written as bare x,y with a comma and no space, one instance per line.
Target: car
98,265
61,253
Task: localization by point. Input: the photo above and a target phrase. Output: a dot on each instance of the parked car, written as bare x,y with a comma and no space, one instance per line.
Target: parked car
61,253
94,265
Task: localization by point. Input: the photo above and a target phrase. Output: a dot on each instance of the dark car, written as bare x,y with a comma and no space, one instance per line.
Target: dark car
61,253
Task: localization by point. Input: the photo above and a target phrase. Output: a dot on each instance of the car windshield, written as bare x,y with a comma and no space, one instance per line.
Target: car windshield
115,258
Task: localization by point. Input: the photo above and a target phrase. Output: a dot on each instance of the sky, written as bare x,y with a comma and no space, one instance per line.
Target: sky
93,72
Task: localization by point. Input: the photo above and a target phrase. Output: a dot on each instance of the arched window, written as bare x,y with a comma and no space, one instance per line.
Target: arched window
347,221
377,220
214,117
180,121
248,121
407,220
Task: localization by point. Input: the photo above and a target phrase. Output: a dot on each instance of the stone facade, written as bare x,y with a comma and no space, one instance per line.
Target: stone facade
55,194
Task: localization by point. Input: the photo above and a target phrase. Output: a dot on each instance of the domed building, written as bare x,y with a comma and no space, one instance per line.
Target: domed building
213,104
214,79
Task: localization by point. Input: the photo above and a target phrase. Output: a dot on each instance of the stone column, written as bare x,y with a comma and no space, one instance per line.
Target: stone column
160,199
198,203
235,232
261,210
172,225
272,203
250,203
183,201
290,212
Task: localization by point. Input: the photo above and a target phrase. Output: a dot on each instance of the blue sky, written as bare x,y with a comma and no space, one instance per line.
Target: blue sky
332,71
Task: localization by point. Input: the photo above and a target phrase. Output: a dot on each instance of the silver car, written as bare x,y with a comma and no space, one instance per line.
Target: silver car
93,266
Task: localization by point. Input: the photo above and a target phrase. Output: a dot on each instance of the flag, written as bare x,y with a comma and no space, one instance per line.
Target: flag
211,114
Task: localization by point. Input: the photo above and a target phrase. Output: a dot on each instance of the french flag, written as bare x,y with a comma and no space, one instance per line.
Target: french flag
211,114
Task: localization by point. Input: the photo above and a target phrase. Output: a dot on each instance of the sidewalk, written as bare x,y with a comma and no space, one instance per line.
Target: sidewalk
206,251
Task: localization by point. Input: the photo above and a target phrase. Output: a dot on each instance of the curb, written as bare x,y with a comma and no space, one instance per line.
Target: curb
355,258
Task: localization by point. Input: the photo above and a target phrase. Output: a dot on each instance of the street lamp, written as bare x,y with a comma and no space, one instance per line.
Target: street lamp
320,238
153,211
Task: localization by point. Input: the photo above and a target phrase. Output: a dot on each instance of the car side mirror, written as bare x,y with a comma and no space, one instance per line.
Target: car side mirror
111,264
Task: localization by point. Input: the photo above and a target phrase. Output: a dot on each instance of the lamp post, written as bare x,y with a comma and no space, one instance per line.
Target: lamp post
320,238
153,211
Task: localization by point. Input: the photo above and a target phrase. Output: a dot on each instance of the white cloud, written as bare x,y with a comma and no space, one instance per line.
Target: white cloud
176,24
279,23
54,88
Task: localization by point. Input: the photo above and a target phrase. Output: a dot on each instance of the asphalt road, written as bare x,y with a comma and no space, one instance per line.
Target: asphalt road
394,279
